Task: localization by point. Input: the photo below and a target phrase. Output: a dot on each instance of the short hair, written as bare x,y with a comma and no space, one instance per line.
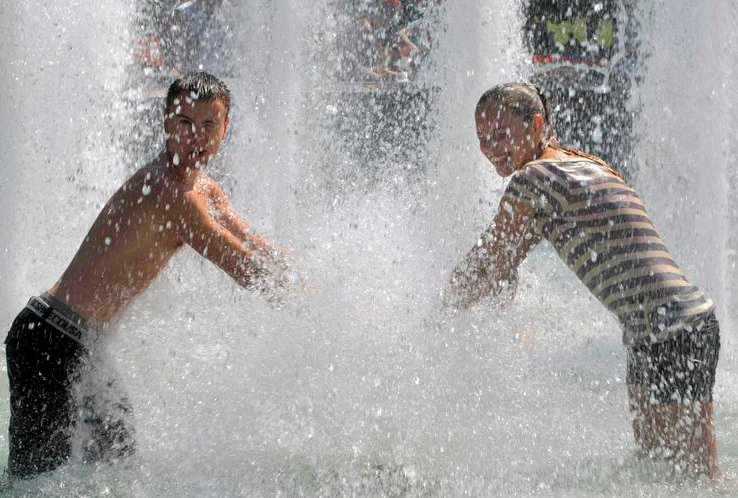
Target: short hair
526,101
523,99
204,86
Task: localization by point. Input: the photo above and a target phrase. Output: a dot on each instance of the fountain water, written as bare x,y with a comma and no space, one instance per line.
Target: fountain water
359,389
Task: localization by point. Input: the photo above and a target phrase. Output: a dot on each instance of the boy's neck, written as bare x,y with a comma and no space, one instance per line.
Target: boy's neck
553,153
182,174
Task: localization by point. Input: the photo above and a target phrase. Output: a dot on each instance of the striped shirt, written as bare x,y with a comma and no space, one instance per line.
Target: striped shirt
600,229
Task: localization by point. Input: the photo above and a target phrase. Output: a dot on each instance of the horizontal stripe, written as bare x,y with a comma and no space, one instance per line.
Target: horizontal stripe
600,228
624,200
666,290
597,234
613,220
590,196
604,214
621,277
622,287
640,320
636,265
600,185
544,185
600,204
552,179
621,251
579,191
528,190
598,240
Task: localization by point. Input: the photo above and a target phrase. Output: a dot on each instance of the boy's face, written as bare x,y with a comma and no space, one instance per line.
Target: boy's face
504,139
194,130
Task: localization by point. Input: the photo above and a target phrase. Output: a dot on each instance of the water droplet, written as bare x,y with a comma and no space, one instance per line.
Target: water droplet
597,134
108,241
146,190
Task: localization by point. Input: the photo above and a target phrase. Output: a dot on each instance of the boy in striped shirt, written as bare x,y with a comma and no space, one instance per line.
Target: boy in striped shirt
599,227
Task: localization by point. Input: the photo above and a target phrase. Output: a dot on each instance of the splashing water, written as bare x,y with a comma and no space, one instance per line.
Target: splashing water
360,388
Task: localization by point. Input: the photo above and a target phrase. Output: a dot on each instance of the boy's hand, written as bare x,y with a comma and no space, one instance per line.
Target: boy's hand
276,278
468,285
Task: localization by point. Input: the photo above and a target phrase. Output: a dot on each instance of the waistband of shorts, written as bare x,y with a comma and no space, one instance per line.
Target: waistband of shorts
62,318
701,322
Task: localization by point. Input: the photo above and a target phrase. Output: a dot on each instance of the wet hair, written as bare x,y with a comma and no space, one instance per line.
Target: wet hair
523,99
204,86
527,100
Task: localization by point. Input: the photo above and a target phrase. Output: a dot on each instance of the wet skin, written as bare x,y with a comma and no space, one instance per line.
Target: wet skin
490,267
162,207
685,431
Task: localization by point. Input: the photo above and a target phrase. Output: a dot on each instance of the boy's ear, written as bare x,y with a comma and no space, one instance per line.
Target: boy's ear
538,123
226,125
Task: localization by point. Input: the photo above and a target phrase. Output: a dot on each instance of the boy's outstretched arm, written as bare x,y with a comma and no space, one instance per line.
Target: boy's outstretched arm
490,267
224,213
249,259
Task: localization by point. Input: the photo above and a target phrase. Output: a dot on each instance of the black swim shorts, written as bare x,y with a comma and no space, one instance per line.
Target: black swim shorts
44,368
679,370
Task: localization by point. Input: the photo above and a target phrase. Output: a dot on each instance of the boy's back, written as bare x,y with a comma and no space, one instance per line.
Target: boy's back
600,229
133,238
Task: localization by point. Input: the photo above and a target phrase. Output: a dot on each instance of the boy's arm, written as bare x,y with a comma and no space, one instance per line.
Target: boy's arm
490,267
226,215
248,259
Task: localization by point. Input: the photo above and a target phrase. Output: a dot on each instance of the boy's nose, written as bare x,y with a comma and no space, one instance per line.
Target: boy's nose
201,138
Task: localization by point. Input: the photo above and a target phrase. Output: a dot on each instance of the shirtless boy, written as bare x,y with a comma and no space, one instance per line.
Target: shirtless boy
164,206
599,227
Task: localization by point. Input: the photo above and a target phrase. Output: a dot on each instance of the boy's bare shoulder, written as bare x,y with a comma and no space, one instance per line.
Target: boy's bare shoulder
210,189
151,189
208,186
203,194
140,184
